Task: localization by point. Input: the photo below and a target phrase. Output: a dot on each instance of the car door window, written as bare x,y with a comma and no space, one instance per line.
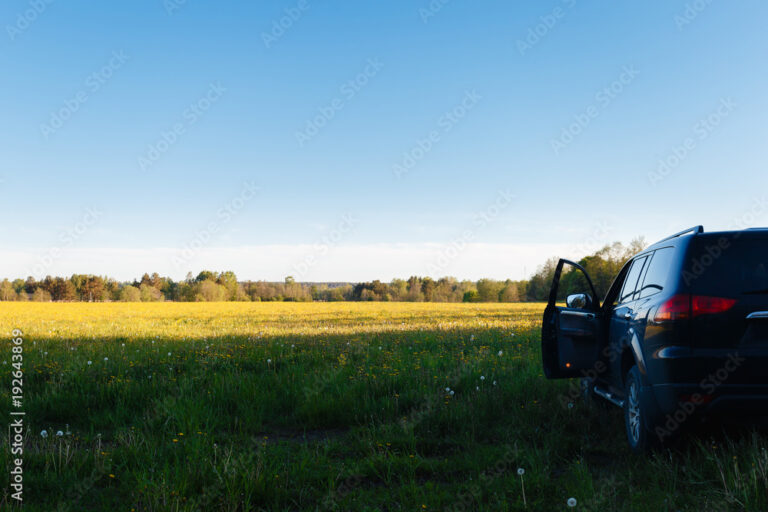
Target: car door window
658,272
630,284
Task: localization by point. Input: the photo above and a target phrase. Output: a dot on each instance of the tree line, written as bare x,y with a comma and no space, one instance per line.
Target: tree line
209,286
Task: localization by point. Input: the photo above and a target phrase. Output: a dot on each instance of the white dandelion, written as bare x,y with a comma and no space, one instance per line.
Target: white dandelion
571,502
44,434
90,363
500,353
59,433
521,472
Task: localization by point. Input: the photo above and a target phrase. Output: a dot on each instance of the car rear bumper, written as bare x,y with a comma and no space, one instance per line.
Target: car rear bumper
736,400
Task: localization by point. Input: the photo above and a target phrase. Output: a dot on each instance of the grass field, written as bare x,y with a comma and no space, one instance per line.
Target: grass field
331,406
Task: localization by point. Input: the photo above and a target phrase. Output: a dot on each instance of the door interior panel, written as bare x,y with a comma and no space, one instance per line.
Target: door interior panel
577,340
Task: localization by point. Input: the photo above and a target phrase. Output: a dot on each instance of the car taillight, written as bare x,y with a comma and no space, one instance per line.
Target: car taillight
678,307
703,305
682,306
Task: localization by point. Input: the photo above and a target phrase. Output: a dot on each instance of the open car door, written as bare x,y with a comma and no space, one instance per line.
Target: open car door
570,335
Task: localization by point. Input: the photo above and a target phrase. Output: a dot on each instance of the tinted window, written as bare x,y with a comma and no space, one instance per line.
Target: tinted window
631,283
728,265
658,271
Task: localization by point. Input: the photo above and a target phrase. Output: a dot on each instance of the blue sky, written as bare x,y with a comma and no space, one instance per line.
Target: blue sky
133,134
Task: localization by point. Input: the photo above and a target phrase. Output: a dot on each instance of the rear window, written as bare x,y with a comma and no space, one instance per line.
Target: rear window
728,265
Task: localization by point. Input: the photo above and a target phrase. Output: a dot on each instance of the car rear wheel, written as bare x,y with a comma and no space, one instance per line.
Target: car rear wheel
636,418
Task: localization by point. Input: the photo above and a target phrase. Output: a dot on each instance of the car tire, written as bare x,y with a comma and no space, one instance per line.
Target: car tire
637,420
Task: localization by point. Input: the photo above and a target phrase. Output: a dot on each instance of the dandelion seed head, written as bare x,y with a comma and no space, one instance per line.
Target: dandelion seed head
571,502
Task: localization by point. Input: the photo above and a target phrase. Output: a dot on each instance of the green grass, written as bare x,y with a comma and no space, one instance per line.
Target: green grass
350,413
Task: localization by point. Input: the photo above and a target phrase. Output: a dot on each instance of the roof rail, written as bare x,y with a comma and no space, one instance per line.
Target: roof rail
695,230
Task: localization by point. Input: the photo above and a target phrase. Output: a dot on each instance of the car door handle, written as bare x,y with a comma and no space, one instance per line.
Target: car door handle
627,316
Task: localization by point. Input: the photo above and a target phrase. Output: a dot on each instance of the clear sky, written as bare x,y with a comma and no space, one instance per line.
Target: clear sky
371,140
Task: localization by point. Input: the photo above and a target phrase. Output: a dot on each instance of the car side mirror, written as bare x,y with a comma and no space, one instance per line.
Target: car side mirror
579,301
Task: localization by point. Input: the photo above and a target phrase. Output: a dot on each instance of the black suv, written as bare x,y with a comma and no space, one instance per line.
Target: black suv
681,333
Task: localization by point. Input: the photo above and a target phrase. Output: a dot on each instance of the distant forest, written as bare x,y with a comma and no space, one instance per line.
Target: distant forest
210,286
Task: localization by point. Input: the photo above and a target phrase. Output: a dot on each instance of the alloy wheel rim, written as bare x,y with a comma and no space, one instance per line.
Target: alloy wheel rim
634,412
